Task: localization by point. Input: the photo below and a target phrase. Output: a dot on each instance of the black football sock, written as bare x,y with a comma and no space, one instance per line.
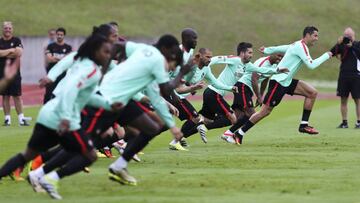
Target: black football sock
74,165
240,122
46,156
188,128
305,118
12,164
57,160
345,122
247,126
219,123
136,146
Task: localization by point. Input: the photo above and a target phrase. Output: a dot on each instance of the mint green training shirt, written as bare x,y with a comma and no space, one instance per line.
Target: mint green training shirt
234,69
262,62
296,54
74,91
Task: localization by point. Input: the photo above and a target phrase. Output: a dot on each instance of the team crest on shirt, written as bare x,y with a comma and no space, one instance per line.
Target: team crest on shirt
274,102
64,50
12,44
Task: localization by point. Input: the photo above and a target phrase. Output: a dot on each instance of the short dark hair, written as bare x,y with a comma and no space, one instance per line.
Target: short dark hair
61,29
243,46
167,41
114,23
104,30
203,50
310,30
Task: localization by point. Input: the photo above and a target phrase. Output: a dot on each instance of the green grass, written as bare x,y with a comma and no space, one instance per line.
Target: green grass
275,164
221,24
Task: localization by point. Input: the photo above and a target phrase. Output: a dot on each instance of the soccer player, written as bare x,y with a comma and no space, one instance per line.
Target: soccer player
248,85
296,54
59,119
54,53
187,112
201,72
215,109
145,65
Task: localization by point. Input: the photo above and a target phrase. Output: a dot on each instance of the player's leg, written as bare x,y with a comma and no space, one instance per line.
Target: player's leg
133,116
42,139
310,93
83,154
272,98
188,113
243,107
6,109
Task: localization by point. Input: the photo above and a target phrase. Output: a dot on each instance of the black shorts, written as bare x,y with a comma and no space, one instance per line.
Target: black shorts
146,107
214,105
186,109
96,121
14,88
44,138
347,85
276,92
243,99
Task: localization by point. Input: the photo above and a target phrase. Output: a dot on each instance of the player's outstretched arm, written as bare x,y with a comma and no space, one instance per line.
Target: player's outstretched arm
274,49
304,54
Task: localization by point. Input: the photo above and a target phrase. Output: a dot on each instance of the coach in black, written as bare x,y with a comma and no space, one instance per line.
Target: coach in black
348,51
11,48
54,53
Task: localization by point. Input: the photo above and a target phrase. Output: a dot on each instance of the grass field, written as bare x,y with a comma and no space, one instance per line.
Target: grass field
221,24
276,164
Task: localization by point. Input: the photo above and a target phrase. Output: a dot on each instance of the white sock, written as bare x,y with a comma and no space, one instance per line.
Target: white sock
39,172
54,175
106,148
173,142
120,163
8,117
21,116
241,132
304,122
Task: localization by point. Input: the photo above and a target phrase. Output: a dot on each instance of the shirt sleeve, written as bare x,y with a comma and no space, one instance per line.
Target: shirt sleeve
214,82
250,67
48,49
276,49
159,104
62,66
159,72
138,96
99,101
303,52
224,60
18,43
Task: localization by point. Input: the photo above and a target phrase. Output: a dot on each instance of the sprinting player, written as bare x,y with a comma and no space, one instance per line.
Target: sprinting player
187,112
54,53
202,71
248,86
215,109
55,72
296,54
145,65
59,119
